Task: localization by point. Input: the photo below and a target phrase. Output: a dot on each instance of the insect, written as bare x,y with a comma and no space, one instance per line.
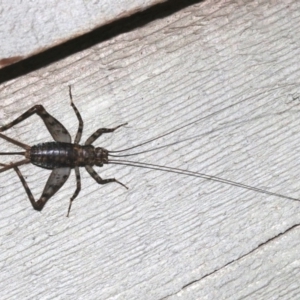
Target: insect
61,155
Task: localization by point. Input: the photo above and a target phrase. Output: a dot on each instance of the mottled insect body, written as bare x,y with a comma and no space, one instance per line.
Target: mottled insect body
61,155
53,155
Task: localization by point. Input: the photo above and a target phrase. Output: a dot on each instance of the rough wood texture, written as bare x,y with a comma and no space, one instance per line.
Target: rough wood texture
236,66
30,27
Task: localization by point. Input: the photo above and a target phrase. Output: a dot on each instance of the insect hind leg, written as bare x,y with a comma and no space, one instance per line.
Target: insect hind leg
35,204
55,181
55,128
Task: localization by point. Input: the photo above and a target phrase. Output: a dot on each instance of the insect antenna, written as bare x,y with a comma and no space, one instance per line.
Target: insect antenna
225,125
196,174
175,130
115,154
154,149
163,146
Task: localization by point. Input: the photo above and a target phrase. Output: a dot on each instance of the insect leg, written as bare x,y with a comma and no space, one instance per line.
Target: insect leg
99,132
78,188
80,126
99,180
55,181
56,129
13,165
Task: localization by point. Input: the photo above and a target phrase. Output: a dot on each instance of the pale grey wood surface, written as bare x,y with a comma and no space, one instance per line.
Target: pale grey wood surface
30,27
232,66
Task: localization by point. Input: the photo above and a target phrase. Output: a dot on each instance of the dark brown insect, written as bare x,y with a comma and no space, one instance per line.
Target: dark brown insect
61,155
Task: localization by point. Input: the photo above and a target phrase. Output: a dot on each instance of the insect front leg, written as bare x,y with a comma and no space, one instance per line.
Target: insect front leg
55,128
99,180
99,132
80,126
55,181
78,189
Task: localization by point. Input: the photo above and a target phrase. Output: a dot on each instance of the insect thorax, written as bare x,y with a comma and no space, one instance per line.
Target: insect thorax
53,155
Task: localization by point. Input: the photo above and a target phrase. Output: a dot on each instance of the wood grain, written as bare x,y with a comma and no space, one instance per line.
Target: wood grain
232,66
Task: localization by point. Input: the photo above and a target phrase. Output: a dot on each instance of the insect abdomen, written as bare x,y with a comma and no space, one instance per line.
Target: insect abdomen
58,155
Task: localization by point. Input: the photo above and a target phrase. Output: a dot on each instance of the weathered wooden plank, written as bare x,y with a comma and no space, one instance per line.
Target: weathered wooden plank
31,27
236,65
